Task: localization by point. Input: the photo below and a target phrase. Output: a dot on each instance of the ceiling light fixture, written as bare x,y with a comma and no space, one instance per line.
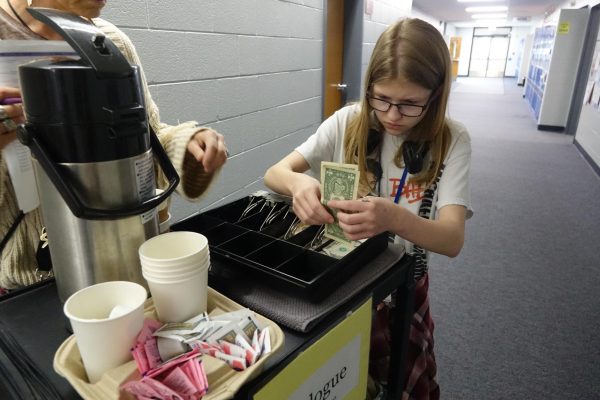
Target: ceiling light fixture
489,16
491,22
486,9
476,1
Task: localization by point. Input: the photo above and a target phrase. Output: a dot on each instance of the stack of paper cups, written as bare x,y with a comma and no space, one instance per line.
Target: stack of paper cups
164,216
175,265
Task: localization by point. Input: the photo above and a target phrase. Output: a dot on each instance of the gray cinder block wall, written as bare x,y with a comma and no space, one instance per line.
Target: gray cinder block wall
377,18
251,69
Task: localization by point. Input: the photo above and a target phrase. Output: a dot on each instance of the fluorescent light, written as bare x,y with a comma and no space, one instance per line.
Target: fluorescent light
486,9
491,22
489,16
475,1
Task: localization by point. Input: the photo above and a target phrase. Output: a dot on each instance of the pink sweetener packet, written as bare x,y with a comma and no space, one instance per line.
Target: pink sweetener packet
164,392
139,355
152,354
150,325
204,347
200,372
237,363
232,349
195,370
140,389
180,382
248,352
172,363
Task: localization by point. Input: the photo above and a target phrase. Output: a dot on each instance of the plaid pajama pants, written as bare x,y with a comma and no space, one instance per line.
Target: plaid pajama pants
420,368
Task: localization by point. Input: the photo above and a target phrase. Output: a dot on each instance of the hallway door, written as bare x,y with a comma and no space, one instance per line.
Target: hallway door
488,56
334,56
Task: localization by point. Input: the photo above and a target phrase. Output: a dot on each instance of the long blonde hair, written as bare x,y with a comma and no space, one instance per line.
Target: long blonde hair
413,50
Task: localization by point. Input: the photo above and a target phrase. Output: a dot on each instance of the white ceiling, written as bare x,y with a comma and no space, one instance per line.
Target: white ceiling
453,11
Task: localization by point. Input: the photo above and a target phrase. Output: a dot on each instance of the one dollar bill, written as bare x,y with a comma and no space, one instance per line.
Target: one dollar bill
338,182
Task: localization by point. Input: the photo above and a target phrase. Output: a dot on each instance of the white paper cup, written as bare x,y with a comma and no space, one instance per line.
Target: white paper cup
175,249
105,342
163,226
175,265
178,301
166,277
163,208
169,270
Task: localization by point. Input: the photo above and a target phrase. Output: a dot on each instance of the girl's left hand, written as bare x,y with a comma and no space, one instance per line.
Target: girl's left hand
366,217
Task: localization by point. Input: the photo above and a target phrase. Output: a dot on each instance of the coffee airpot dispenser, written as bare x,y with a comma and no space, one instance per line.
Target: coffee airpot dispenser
93,154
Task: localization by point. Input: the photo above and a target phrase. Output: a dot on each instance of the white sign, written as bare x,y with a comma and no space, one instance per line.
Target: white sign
335,379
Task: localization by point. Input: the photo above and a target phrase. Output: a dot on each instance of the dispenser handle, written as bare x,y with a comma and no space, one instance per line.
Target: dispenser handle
27,136
90,43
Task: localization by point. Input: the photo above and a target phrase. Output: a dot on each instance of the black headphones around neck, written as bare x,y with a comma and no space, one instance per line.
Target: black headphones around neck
413,153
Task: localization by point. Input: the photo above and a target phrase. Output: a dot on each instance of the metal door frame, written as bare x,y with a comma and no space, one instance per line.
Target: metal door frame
508,35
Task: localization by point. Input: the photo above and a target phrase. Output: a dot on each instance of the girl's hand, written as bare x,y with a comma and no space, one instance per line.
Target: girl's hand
366,217
11,115
306,194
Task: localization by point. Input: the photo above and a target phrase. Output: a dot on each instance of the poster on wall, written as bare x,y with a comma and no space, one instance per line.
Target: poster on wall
592,91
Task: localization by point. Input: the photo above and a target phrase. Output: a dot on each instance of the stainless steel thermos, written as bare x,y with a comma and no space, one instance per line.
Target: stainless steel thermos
93,155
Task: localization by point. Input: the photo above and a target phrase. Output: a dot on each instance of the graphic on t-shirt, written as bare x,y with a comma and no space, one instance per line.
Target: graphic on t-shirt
411,191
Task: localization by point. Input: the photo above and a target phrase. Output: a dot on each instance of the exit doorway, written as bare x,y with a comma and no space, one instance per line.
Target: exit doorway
489,52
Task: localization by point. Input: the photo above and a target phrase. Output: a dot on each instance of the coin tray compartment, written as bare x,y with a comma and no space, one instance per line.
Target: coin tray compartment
246,243
280,227
254,221
223,233
306,236
197,223
307,266
242,246
274,254
231,212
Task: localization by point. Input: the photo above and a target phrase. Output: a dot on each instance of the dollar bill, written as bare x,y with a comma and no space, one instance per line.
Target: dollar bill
339,250
338,182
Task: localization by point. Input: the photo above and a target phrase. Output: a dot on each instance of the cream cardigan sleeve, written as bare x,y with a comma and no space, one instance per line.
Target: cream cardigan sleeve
194,181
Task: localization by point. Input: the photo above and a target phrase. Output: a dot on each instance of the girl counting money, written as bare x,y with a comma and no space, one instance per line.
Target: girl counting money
414,167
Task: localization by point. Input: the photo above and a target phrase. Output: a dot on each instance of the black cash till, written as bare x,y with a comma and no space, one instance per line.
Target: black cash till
260,235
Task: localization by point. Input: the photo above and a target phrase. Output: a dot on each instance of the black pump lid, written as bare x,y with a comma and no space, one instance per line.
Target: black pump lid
87,40
86,110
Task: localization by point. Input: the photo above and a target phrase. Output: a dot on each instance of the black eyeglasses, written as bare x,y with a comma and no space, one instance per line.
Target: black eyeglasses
407,110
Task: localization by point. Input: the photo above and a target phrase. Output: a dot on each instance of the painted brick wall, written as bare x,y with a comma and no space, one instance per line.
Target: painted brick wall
251,69
379,14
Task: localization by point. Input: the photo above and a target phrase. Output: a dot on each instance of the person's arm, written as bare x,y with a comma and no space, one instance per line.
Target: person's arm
370,216
444,235
287,177
197,152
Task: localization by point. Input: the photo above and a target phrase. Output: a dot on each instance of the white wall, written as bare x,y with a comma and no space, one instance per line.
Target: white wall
416,13
525,58
553,17
516,48
465,50
588,128
378,15
250,69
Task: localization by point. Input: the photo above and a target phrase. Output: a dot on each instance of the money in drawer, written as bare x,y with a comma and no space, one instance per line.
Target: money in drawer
260,236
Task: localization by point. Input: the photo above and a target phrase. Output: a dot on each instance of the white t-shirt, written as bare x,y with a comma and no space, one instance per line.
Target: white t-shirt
327,144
